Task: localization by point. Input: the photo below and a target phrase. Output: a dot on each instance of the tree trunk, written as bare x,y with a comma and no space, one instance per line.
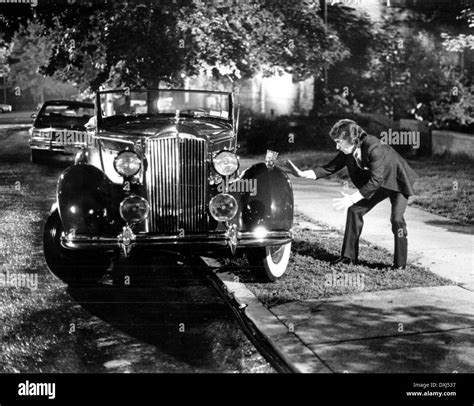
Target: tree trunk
152,97
319,95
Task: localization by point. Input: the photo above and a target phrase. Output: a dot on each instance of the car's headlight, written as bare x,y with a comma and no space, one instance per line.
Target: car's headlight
223,207
127,163
225,163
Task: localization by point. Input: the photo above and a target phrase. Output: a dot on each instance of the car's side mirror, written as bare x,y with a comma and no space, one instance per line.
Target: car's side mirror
34,115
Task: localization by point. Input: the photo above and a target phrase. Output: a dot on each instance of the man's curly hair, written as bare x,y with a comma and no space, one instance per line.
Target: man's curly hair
347,130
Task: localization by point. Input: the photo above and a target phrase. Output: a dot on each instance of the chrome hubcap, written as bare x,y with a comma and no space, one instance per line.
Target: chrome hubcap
277,253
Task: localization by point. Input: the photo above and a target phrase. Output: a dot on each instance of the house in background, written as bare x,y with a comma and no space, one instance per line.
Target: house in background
270,96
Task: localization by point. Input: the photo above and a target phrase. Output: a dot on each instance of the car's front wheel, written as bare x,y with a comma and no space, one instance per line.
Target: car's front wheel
270,262
76,268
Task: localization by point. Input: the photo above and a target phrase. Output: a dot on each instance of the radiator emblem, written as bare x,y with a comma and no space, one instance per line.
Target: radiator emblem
126,239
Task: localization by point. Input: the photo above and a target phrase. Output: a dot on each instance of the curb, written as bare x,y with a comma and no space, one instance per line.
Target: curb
279,336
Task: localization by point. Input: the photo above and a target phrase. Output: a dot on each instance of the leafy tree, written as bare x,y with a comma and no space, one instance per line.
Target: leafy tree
144,42
454,106
345,78
30,50
12,17
461,42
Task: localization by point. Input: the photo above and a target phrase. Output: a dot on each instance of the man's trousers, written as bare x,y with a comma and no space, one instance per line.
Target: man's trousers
355,222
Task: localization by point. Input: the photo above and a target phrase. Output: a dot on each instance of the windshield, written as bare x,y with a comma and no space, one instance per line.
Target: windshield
67,110
151,102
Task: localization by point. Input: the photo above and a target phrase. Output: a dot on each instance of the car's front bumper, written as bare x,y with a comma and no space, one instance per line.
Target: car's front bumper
44,145
58,140
198,241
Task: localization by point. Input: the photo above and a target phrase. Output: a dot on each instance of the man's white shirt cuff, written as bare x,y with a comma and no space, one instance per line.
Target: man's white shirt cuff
356,197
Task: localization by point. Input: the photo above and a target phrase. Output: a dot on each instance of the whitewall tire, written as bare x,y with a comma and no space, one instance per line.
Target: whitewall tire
270,262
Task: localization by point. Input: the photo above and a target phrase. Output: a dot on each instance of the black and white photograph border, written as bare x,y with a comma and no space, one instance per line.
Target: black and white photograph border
258,187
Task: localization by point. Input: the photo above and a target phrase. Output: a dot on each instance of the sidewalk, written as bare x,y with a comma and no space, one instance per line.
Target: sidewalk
416,330
17,117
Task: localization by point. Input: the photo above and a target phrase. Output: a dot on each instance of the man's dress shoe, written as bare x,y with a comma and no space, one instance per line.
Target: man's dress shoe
342,260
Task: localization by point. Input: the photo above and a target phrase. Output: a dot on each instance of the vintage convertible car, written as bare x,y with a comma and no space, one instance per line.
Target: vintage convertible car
162,174
59,128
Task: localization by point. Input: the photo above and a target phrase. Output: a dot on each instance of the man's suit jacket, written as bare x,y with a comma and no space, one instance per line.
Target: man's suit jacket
382,167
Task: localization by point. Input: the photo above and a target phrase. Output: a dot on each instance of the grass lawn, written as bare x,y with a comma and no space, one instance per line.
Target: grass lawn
445,186
310,276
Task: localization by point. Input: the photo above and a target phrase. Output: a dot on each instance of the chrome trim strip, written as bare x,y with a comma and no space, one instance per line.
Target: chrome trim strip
244,239
178,170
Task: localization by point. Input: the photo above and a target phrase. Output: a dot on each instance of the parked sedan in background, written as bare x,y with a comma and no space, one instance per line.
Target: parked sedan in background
59,128
5,108
163,174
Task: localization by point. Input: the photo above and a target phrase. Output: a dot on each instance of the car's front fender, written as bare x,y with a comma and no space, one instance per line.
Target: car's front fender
88,201
270,205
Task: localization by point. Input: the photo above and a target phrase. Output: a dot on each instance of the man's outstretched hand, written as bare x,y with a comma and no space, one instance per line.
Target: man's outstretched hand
309,174
342,203
347,200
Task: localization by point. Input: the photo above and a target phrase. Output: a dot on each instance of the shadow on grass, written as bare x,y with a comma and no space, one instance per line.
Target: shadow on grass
314,250
169,319
374,265
170,307
326,252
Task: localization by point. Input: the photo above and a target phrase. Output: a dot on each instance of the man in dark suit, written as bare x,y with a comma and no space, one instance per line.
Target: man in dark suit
379,172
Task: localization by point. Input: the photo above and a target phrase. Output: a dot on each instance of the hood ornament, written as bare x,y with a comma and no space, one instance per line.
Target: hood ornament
176,117
271,158
232,238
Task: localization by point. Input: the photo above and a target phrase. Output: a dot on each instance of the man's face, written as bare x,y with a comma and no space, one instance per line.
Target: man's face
345,146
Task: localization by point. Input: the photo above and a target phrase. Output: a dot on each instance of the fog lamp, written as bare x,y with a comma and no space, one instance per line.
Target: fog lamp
223,207
134,209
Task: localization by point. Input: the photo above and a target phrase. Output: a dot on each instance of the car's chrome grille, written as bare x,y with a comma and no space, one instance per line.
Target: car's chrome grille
176,181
